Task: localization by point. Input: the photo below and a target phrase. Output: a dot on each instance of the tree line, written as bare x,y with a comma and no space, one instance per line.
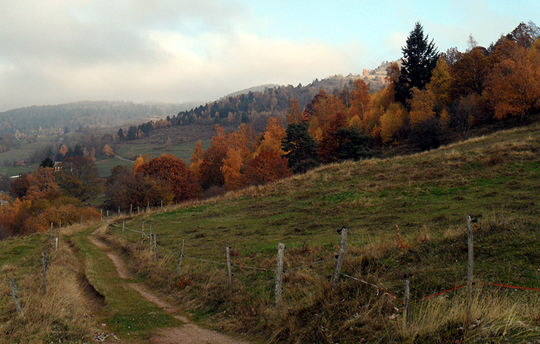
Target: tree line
430,98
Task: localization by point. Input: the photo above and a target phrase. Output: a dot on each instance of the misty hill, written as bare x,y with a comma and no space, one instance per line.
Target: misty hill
56,119
246,106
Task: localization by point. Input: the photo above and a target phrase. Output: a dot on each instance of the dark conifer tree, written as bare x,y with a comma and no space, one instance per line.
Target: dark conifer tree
419,59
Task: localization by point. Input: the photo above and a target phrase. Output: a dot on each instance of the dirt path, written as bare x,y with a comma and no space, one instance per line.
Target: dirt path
188,333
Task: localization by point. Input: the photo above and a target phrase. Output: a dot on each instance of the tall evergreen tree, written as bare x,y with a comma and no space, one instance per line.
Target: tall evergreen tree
301,148
419,58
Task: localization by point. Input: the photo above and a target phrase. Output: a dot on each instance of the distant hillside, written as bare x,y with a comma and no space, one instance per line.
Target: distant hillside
243,107
56,119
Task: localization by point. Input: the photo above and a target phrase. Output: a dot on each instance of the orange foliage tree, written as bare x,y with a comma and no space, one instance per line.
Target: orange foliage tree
174,173
196,160
268,166
514,82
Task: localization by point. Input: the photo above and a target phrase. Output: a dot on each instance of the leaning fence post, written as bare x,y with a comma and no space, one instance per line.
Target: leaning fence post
470,265
180,259
407,317
229,268
279,272
341,253
15,295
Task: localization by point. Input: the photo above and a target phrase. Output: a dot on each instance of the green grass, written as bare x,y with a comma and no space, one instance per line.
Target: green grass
129,315
184,151
495,178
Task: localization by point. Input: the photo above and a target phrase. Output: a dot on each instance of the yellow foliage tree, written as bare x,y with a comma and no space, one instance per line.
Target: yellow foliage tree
422,106
392,122
107,150
196,159
272,137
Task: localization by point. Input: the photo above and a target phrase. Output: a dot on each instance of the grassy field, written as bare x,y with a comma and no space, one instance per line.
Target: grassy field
405,215
132,149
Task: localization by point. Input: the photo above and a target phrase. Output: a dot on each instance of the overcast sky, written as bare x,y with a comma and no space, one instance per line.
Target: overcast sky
59,51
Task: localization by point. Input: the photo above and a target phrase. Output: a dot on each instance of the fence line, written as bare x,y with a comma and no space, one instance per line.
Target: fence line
279,270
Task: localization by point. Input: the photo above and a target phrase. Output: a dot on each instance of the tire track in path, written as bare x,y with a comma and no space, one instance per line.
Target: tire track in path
188,333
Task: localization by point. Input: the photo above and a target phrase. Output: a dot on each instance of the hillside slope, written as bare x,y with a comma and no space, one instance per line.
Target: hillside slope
405,215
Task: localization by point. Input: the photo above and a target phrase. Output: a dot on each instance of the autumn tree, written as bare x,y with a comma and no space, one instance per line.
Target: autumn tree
266,167
422,105
514,83
294,115
196,159
469,72
107,150
174,173
392,123
43,185
79,177
273,135
419,59
361,100
328,148
210,168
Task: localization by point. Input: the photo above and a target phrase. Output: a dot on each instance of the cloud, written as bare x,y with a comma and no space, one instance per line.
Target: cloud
142,50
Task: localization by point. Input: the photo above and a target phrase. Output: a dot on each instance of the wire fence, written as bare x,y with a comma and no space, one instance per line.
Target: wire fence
337,260
146,236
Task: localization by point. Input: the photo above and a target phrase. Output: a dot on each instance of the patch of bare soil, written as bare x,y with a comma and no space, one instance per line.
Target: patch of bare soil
188,333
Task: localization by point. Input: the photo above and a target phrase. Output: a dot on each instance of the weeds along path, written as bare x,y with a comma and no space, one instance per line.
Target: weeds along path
188,333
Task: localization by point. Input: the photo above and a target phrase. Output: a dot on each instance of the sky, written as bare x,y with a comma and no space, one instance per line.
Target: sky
61,51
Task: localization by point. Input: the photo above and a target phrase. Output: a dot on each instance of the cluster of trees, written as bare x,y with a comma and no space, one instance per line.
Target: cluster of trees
254,107
429,97
434,97
48,196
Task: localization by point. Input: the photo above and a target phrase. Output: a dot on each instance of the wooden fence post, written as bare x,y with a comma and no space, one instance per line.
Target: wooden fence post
148,207
470,265
155,247
118,211
123,228
50,234
130,209
56,246
45,260
407,301
15,295
142,232
342,244
81,219
180,259
150,240
279,273
161,205
101,214
229,267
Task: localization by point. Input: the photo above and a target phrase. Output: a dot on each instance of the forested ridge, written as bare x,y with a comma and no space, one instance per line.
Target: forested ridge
56,119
